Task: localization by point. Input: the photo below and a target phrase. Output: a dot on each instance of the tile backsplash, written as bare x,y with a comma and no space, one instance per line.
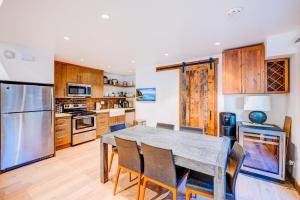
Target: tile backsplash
91,102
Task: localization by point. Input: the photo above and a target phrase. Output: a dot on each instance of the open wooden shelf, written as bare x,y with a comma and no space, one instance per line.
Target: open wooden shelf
112,98
119,86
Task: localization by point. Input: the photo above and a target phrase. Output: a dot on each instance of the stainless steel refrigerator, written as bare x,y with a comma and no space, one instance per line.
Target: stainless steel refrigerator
27,123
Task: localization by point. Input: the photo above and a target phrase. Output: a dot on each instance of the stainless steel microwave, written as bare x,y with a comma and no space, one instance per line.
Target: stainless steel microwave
79,90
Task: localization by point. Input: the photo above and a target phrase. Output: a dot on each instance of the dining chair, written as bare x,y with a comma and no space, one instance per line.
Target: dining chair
202,184
161,170
130,160
114,149
191,130
165,126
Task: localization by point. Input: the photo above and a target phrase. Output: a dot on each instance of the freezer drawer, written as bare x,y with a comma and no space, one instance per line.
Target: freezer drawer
24,98
26,137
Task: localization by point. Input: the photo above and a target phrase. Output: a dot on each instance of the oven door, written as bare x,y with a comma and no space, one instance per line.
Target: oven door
84,123
78,90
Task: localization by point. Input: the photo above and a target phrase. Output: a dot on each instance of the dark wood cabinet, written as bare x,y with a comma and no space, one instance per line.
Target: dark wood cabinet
243,70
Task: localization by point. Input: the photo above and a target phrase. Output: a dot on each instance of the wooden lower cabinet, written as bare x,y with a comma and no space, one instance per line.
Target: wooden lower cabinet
104,121
102,126
117,120
62,132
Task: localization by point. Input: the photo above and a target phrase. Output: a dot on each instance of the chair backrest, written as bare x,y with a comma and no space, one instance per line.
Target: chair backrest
117,127
287,128
159,165
129,155
165,126
191,130
235,161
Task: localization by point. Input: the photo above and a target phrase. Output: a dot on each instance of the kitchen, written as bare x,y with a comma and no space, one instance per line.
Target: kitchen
88,101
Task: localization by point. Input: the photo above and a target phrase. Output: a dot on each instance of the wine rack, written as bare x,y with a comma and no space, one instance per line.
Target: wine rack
277,76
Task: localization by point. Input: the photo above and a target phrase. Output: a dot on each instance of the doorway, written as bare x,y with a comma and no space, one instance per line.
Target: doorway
198,97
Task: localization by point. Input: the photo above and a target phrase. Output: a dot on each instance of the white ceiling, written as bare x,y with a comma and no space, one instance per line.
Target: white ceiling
142,30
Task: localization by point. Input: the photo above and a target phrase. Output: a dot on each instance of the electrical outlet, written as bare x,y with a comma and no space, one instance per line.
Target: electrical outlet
291,162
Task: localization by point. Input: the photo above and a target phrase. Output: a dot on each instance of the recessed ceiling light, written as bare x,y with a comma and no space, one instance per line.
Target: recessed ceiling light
217,44
234,11
81,60
133,61
166,54
66,38
109,66
105,16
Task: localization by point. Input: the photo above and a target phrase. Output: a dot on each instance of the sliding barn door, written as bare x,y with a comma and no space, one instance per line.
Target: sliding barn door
198,98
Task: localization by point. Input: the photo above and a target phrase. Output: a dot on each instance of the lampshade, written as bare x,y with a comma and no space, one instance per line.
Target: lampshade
257,103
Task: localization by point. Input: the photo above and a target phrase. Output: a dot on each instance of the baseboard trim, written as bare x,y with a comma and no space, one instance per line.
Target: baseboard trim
294,182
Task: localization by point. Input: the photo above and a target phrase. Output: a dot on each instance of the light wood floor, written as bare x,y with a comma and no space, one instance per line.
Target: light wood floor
74,175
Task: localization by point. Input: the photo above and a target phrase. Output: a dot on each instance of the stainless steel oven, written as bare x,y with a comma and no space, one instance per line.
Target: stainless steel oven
83,128
79,90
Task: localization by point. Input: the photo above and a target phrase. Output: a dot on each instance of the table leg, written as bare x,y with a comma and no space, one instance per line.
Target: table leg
103,162
219,184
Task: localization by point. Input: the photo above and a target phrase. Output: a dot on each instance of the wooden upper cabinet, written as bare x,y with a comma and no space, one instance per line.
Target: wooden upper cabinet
243,70
68,73
73,73
253,69
60,78
232,71
96,78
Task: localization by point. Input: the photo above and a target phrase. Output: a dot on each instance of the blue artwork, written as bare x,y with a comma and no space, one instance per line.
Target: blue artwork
146,94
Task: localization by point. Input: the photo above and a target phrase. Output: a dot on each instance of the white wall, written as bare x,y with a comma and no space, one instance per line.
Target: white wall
39,69
293,110
166,108
281,44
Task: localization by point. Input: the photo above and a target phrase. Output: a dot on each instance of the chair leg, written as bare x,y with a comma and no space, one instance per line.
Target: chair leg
188,195
129,177
144,188
138,189
174,191
117,180
111,160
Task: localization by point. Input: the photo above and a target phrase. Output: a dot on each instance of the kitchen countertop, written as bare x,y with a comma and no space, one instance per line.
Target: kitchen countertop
107,110
96,111
62,115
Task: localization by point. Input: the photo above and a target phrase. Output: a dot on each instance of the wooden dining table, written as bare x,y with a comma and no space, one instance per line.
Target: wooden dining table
198,152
